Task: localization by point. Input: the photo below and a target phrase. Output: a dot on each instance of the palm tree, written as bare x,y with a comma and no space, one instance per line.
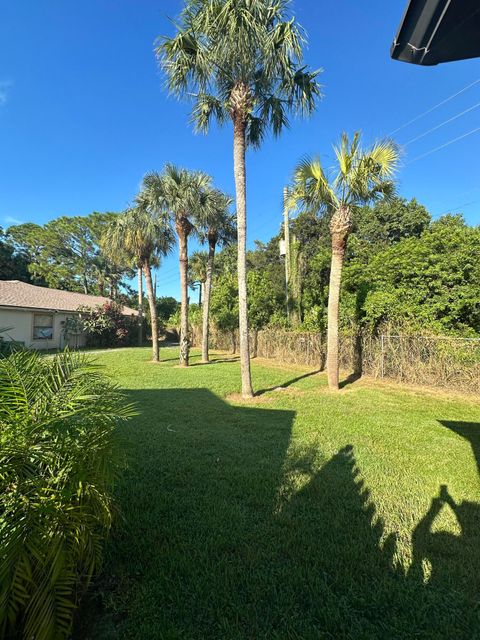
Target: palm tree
197,272
240,60
362,176
177,195
218,228
144,238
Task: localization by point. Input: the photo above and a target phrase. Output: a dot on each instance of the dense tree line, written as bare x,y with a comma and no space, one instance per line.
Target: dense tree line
402,269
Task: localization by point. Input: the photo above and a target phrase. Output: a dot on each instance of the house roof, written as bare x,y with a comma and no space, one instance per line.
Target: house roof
435,31
16,294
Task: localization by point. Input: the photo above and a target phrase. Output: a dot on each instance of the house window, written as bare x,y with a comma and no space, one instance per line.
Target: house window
42,326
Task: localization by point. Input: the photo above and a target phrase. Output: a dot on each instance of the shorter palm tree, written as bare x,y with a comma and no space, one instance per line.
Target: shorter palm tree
362,176
145,238
178,196
197,272
217,228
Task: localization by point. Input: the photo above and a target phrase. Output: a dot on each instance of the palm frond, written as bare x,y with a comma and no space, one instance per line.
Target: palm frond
57,464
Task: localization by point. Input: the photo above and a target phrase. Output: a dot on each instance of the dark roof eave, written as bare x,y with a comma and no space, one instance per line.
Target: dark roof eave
436,31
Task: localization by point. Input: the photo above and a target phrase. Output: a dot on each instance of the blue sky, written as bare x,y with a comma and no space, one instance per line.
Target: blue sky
83,114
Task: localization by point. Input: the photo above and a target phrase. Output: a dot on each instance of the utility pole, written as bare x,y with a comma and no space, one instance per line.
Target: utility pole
286,236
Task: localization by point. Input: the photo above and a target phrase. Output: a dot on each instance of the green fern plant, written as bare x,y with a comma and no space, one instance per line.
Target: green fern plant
57,466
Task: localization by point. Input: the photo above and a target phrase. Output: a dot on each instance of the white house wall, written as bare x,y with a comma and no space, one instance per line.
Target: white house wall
20,328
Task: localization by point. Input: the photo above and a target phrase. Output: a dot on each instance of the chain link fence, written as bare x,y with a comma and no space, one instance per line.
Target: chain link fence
436,361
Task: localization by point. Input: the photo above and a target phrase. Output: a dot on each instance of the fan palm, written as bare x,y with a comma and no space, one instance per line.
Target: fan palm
240,60
197,272
177,196
217,228
361,176
144,238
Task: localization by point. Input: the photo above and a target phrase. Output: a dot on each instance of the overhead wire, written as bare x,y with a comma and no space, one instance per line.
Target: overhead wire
443,146
436,106
438,126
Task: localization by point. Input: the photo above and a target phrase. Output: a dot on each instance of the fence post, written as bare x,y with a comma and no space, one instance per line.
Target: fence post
382,358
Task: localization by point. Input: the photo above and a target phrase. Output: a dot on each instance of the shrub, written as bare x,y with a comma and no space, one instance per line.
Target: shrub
57,465
106,326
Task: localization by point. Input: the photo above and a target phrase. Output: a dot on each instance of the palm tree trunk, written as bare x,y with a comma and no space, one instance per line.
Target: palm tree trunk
200,289
153,311
206,300
240,191
340,228
140,306
183,229
255,343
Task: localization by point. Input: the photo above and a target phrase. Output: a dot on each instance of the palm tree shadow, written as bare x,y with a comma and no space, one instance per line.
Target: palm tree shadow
215,360
285,385
353,377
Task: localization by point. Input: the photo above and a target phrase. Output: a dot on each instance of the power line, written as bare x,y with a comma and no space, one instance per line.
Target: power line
457,207
438,126
443,146
472,84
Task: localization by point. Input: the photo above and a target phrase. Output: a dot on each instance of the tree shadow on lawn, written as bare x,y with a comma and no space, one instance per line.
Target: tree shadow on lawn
285,385
227,535
217,360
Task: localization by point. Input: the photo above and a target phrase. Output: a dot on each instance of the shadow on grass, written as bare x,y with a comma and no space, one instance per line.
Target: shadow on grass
353,377
285,385
217,360
229,534
468,430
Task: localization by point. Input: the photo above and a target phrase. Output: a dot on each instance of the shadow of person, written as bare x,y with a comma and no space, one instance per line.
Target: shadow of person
446,562
353,586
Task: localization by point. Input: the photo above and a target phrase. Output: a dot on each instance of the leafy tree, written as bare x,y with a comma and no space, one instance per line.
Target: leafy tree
261,303
166,307
13,265
226,260
26,241
240,61
362,176
224,305
65,253
144,238
388,222
431,282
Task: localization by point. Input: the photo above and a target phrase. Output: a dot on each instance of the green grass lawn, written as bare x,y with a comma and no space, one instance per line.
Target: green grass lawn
299,515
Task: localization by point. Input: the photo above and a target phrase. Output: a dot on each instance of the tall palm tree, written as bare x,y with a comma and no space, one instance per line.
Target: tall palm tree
240,60
217,228
362,176
144,238
177,195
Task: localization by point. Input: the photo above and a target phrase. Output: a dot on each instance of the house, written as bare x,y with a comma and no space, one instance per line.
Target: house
35,316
